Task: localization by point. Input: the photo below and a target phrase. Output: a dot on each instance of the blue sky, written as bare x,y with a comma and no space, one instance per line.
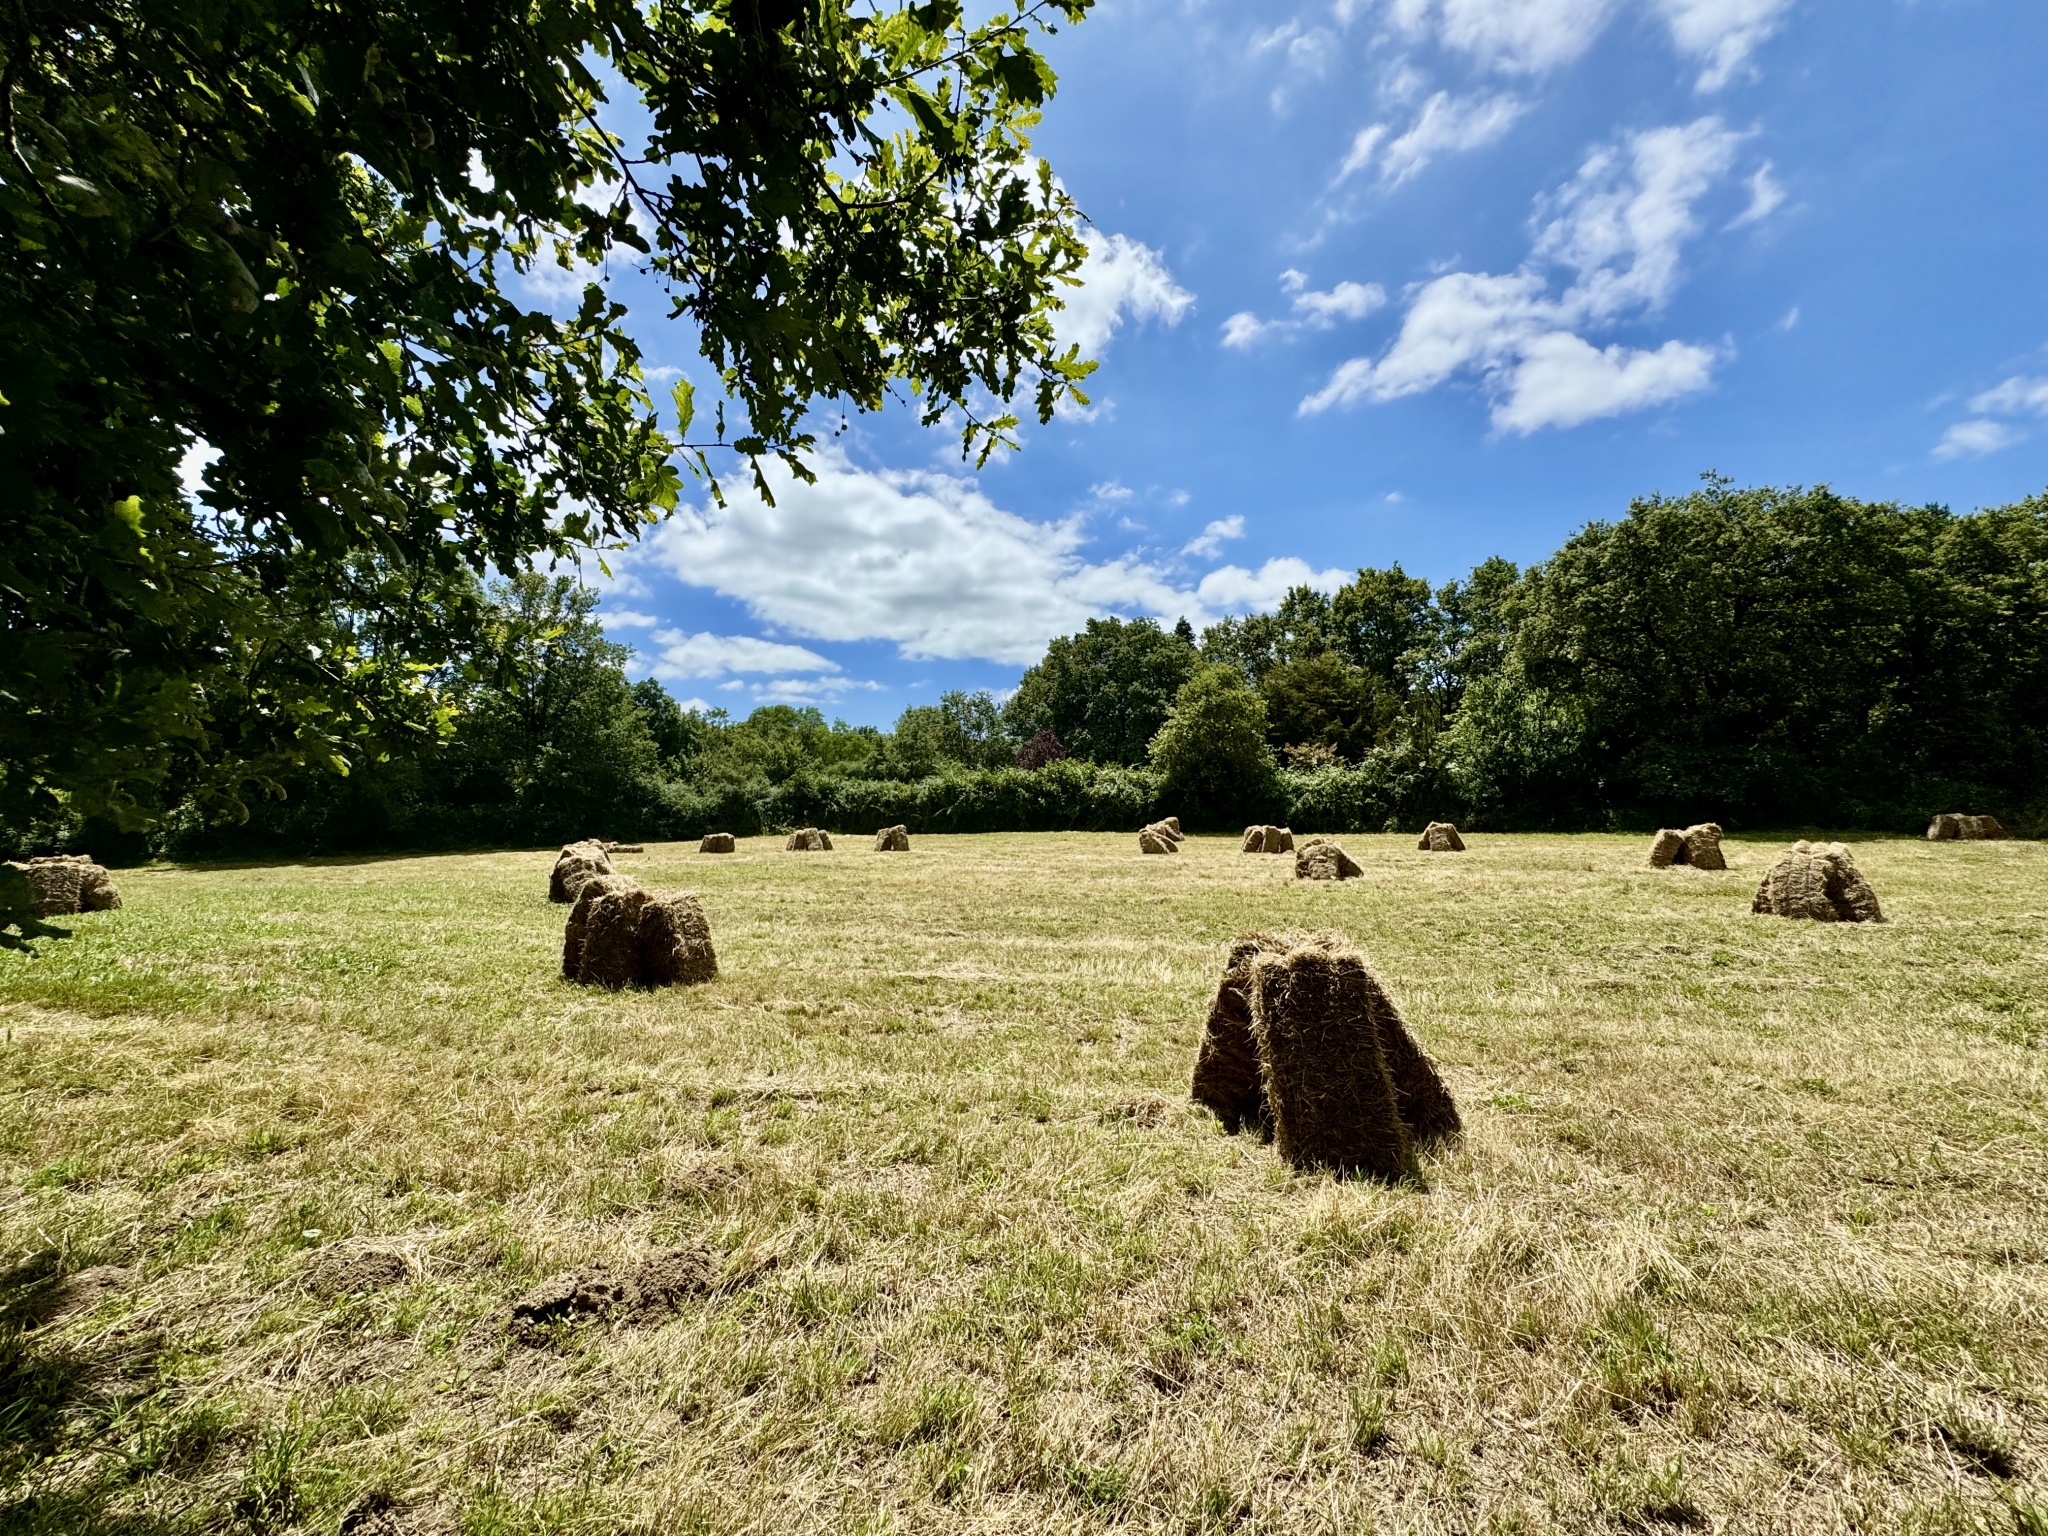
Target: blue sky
1423,281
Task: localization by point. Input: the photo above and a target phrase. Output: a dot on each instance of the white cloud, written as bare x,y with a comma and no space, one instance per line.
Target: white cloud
1619,225
626,618
1120,278
2015,397
708,655
1976,438
1313,310
1791,319
1110,492
1512,36
1722,34
1212,537
920,558
1447,124
1562,380
1234,587
1765,197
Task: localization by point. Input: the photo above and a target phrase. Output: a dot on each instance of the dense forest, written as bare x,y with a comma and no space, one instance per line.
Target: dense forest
1765,658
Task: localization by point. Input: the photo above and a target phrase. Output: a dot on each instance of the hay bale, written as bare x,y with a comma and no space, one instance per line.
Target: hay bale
1986,827
893,840
55,885
1420,1093
1158,838
1946,827
577,928
623,847
1172,824
1440,837
1820,882
1332,1102
808,840
97,891
675,941
1667,848
1227,1064
1254,840
611,941
1703,846
1267,839
1321,859
576,863
716,842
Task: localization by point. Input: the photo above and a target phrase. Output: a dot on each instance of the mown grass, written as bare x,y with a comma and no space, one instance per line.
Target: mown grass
1748,1232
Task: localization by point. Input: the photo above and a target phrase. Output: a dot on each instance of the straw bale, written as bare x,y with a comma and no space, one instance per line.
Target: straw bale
1703,846
1818,881
893,840
55,884
1424,1100
1946,827
1667,848
1172,824
611,941
578,927
716,842
1266,839
1440,837
1158,838
1227,1065
1321,859
1332,1102
808,840
576,863
675,941
1982,827
623,847
97,891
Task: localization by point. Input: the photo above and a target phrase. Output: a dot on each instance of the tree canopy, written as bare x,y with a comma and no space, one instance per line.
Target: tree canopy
286,229
1105,691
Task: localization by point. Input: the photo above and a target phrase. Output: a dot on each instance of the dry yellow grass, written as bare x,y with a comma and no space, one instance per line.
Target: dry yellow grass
1747,1233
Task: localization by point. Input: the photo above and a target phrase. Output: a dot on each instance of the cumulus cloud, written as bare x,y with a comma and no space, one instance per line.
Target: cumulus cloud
1619,227
1313,310
2015,397
1534,37
709,655
922,559
1121,278
1233,588
1512,36
1447,124
1721,34
1765,197
627,618
1210,542
1973,439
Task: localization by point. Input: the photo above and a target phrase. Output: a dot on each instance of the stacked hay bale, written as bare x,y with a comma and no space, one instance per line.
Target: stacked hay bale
574,865
716,842
621,936
1698,845
623,847
1952,825
1304,1041
808,840
893,840
1160,836
1440,837
1321,859
68,882
1819,881
1264,839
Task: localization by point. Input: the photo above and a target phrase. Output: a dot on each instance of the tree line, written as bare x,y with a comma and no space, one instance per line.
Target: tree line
1759,657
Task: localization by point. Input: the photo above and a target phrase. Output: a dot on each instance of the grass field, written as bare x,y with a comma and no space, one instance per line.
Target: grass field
1749,1231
